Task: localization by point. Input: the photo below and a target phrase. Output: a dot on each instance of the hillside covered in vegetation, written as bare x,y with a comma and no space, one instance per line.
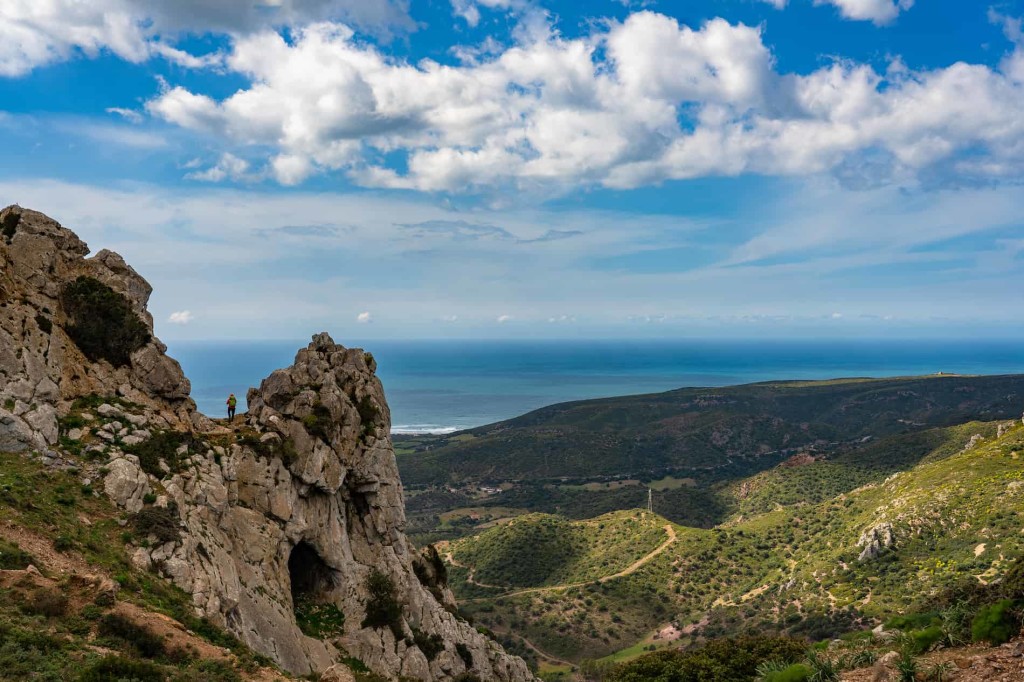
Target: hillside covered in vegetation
709,434
815,551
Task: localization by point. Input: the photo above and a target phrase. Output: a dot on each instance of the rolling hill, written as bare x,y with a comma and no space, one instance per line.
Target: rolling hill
812,551
708,434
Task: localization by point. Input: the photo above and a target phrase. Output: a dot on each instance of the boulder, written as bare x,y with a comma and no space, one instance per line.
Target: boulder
126,484
874,540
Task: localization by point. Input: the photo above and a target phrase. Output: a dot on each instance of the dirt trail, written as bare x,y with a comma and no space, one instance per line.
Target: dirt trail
545,656
633,568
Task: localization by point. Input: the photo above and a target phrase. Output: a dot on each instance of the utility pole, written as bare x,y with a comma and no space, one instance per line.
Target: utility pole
650,500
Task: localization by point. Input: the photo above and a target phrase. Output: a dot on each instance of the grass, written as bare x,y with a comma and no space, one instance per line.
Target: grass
36,498
794,568
538,550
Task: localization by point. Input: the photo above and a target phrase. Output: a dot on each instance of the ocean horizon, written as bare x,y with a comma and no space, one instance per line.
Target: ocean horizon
446,386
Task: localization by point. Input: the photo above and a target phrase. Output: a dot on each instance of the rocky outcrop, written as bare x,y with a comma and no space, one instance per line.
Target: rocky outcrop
42,370
874,540
301,510
306,509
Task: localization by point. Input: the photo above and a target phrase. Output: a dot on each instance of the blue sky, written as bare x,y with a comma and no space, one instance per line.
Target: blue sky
533,168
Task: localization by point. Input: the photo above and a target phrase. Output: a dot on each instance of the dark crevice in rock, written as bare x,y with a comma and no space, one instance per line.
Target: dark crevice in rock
310,575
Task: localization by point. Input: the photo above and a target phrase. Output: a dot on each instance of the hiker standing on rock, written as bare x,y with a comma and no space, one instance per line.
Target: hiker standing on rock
232,403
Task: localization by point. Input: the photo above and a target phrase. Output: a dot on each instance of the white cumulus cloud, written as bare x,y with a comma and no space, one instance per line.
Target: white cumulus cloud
35,33
181,317
878,11
364,318
502,319
631,103
228,167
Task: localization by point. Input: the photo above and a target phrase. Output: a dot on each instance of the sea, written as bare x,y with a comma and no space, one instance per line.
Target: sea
445,386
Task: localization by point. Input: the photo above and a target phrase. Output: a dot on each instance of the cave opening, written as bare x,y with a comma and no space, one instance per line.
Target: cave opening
310,576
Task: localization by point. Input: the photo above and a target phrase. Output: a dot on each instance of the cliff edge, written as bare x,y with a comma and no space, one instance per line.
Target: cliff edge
288,531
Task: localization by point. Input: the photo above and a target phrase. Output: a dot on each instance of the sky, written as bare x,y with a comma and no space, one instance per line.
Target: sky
533,168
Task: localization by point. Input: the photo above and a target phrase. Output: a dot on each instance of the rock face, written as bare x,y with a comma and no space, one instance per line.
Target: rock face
302,509
42,371
306,512
874,540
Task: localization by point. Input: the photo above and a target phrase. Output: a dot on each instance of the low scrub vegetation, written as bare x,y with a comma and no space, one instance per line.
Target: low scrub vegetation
101,321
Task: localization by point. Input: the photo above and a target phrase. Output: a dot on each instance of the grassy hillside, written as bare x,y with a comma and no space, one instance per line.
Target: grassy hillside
708,434
86,613
539,550
790,562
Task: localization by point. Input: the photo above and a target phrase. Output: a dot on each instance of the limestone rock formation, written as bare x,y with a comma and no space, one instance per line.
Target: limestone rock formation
42,370
875,539
300,511
306,510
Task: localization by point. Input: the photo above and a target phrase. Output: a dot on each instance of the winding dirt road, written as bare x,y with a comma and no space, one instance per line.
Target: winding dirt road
633,568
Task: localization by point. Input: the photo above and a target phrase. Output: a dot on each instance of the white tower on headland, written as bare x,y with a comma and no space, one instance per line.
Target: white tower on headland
650,500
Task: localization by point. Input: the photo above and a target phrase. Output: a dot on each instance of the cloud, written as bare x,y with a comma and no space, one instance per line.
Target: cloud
880,12
229,167
885,251
364,318
36,33
469,10
129,115
629,104
502,319
456,229
181,317
877,11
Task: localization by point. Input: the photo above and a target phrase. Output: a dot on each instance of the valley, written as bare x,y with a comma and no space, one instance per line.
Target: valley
816,540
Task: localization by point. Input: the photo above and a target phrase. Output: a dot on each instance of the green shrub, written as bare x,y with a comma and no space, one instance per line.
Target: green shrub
283,449
956,623
120,668
208,671
45,602
63,543
913,621
906,667
163,522
823,668
44,323
13,558
163,445
101,321
995,623
430,645
797,672
723,660
382,608
923,640
318,423
104,599
128,633
321,621
465,654
368,414
355,665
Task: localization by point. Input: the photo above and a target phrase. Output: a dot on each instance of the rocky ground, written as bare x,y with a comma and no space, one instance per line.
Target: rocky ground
974,664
